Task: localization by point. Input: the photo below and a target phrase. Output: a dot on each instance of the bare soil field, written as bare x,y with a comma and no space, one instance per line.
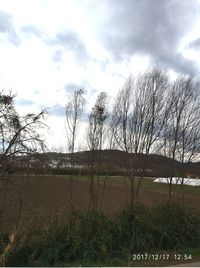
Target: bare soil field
36,200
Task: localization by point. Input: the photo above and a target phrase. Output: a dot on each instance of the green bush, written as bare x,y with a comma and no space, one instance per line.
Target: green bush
135,230
169,226
177,226
39,248
95,239
3,240
88,240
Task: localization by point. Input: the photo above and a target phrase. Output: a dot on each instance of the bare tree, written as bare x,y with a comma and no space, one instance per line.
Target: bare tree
95,140
147,119
181,134
20,138
137,120
18,134
73,112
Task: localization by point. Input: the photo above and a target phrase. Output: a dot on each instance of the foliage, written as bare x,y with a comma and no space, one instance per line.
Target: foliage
88,240
3,240
177,226
96,239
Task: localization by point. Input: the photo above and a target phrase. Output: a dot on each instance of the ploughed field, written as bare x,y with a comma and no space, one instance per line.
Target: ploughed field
34,201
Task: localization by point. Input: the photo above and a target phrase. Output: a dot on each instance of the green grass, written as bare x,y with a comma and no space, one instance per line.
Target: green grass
162,187
147,184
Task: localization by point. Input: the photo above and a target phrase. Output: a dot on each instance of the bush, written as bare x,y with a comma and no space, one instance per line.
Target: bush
95,239
136,231
3,241
169,226
177,227
39,248
95,231
88,240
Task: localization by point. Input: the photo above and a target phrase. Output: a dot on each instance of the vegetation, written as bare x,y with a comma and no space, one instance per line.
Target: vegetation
98,240
73,113
151,129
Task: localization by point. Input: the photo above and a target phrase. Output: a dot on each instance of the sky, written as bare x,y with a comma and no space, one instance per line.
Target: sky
48,48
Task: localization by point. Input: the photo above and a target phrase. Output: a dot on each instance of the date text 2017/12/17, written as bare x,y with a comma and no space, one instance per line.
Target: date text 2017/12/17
160,257
147,256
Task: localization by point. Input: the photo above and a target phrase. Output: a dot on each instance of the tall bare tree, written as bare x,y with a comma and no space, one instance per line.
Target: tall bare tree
137,120
181,133
73,112
95,140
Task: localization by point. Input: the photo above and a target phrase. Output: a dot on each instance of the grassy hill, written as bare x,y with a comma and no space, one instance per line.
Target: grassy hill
114,162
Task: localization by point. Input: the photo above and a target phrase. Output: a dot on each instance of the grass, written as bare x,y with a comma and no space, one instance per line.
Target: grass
147,184
120,180
162,187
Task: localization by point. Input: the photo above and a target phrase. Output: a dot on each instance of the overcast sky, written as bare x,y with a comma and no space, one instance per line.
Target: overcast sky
48,48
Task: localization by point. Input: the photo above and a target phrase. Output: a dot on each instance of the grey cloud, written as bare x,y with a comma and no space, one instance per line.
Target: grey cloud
152,28
68,41
85,116
62,42
57,110
6,27
57,55
32,29
195,44
72,86
84,85
176,62
24,102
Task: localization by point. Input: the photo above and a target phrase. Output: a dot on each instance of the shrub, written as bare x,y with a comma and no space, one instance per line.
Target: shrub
39,248
95,239
135,229
95,232
89,240
177,226
3,241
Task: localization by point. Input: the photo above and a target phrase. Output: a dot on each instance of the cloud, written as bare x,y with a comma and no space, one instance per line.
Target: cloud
32,29
57,110
195,44
178,63
84,85
152,28
63,42
68,41
7,28
57,55
24,102
69,88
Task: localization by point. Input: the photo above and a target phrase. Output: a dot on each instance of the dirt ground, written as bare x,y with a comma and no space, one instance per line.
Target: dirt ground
36,200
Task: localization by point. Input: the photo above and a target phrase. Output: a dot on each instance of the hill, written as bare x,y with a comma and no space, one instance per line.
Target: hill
114,162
